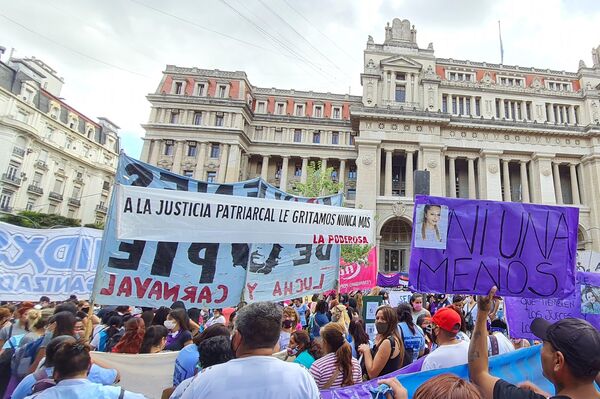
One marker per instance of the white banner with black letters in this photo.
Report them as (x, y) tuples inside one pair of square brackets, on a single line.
[(175, 216)]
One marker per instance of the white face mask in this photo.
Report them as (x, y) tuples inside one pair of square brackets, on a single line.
[(170, 324)]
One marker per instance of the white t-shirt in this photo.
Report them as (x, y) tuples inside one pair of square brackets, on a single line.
[(254, 377), (504, 344), (447, 356), (215, 320)]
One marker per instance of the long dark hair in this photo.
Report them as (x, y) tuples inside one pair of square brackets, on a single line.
[(390, 317), (181, 317), (404, 313), (215, 330), (321, 307), (358, 333), (153, 336), (302, 338), (65, 323), (334, 336)]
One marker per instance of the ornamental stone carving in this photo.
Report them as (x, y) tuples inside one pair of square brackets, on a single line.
[(367, 160), (432, 164), (546, 172), (493, 169), (399, 209)]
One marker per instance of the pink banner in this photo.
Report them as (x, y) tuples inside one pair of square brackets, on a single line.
[(354, 277)]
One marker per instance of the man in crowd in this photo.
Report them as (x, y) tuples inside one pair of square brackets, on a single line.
[(451, 351), (254, 373), (569, 357)]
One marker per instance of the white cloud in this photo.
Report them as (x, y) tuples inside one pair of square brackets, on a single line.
[(547, 34)]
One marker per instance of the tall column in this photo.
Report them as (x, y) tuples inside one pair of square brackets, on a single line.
[(557, 187), (304, 174), (524, 182), (233, 164), (584, 190), (146, 150), (506, 180), (384, 88), (574, 184), (199, 172), (392, 87), (264, 171), (245, 165), (409, 174), (178, 156), (367, 172), (154, 153), (323, 165), (502, 113), (284, 174), (388, 173), (452, 176), (572, 114), (223, 163), (471, 174), (342, 175)]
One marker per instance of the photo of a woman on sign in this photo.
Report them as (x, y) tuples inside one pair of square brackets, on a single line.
[(590, 299), (431, 226)]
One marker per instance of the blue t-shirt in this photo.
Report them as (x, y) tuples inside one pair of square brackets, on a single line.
[(320, 320), (413, 343), (302, 313), (186, 364), (97, 374)]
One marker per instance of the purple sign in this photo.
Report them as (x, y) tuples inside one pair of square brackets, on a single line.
[(467, 246), (584, 303)]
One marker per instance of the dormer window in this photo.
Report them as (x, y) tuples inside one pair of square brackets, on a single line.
[(460, 76), (559, 86), (178, 87), (318, 111), (73, 121), (510, 81)]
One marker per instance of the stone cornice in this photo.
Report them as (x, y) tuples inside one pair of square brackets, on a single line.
[(502, 67), (305, 94), (398, 114)]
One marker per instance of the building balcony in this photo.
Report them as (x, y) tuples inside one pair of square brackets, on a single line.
[(11, 179), (55, 196), (35, 189), (74, 202), (20, 152), (101, 209), (41, 164)]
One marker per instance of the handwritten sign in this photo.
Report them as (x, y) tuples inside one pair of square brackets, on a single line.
[(526, 250), (205, 274), (52, 262), (164, 215), (584, 303)]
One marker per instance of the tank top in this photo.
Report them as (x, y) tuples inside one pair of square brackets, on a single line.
[(392, 364)]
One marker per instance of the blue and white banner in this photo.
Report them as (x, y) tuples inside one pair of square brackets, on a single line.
[(52, 262), (201, 274)]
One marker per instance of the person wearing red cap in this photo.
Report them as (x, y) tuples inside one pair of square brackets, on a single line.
[(570, 359), (451, 351)]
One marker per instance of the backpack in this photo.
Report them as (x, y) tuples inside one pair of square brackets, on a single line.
[(42, 381), (24, 357), (469, 321), (113, 341)]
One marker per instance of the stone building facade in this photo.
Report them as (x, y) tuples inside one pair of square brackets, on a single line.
[(53, 159), (482, 130)]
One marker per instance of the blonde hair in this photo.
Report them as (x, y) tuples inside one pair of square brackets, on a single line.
[(33, 316), (344, 319), (291, 312), (426, 209)]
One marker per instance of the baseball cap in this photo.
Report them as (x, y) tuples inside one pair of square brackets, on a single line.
[(447, 319), (576, 339)]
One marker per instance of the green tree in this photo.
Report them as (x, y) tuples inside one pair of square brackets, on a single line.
[(320, 183), (40, 220), (99, 226)]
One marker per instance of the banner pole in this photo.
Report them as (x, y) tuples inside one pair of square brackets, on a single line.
[(88, 325)]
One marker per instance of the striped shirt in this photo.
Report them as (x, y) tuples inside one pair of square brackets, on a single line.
[(322, 370)]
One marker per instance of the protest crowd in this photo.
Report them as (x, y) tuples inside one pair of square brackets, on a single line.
[(292, 349)]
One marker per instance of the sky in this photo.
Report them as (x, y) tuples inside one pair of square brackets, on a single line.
[(111, 53)]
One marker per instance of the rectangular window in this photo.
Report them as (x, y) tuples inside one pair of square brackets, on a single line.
[(13, 170), (445, 103), (400, 94), (506, 109), (219, 120), (454, 109), (211, 177), (477, 106), (280, 108), (168, 148), (316, 137), (528, 110), (58, 184), (351, 139), (318, 112), (351, 194), (260, 107), (352, 173), (335, 138), (461, 105), (37, 179), (106, 185), (400, 76), (178, 87), (192, 150), (297, 136), (76, 192), (51, 209), (215, 151), (5, 199), (174, 117), (188, 173), (200, 89), (298, 170), (222, 90), (337, 113), (30, 204), (299, 110), (197, 118)]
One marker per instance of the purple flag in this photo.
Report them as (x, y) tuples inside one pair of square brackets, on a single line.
[(584, 303), (468, 246)]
